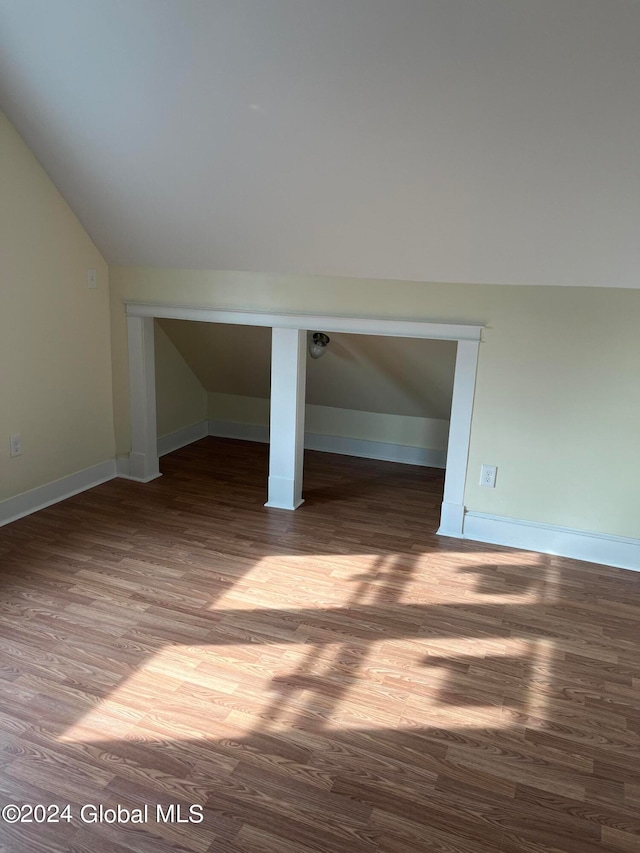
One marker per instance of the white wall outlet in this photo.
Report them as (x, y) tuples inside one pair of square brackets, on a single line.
[(92, 278), (488, 476), (15, 445)]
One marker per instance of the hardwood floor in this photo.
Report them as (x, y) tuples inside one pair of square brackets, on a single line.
[(334, 679)]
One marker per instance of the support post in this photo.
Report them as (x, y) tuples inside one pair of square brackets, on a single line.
[(143, 459), (286, 439), (452, 513)]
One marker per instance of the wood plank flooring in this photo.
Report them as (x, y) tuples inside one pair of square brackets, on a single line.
[(334, 679)]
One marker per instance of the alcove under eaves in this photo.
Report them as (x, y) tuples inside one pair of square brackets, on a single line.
[(288, 378), (370, 396)]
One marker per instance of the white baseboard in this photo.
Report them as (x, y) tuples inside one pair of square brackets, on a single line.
[(282, 493), (424, 456), (451, 520), (176, 440), (123, 471), (166, 444), (337, 444), (17, 507), (562, 541)]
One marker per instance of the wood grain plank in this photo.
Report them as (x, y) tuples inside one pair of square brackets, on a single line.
[(335, 680)]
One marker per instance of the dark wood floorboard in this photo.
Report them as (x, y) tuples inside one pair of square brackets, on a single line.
[(334, 679)]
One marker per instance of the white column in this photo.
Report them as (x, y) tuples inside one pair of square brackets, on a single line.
[(143, 459), (286, 439), (464, 383)]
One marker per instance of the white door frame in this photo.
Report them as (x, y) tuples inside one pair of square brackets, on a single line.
[(144, 450)]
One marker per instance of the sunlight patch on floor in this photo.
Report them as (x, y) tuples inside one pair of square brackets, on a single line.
[(290, 582), (189, 692), (404, 645)]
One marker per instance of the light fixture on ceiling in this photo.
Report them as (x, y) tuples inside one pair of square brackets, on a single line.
[(318, 346)]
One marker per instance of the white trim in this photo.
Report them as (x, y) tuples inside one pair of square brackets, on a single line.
[(123, 469), (325, 322), (464, 383), (182, 437), (360, 447), (282, 493), (545, 538), (451, 520), (52, 493), (138, 462), (422, 456)]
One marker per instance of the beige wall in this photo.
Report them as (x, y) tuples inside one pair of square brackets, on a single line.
[(226, 359), (181, 401), (557, 401), (55, 359)]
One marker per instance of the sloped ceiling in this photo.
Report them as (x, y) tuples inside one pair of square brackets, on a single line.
[(396, 376), (443, 140)]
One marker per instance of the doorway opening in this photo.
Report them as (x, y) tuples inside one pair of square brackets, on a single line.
[(294, 328)]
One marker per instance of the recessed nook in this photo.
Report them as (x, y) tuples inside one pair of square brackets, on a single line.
[(288, 357)]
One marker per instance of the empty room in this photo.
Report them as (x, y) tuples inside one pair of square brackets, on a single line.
[(319, 405)]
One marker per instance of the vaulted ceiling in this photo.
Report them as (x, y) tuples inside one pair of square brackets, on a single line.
[(443, 140)]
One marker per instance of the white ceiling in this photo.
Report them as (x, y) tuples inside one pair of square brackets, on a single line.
[(443, 140)]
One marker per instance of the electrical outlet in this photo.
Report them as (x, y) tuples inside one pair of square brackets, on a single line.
[(15, 445), (92, 278), (488, 476)]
